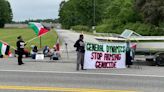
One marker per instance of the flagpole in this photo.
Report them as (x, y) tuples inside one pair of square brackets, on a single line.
[(40, 41), (31, 39)]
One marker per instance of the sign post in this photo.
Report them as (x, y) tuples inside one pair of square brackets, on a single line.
[(66, 49)]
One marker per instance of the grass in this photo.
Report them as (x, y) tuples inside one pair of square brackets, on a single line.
[(10, 36)]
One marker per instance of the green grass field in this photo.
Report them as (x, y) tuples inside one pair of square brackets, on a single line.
[(10, 36)]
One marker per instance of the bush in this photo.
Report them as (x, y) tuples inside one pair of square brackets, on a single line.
[(110, 26), (80, 28), (143, 29), (104, 28)]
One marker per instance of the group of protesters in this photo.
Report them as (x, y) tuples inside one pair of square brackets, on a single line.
[(52, 53), (80, 48)]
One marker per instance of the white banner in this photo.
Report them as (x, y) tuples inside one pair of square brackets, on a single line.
[(104, 56)]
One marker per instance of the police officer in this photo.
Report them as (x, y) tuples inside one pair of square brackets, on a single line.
[(20, 49), (80, 52)]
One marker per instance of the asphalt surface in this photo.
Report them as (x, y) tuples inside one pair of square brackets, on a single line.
[(92, 81), (60, 75)]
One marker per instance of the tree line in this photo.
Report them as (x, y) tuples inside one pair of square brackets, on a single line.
[(6, 14), (37, 20), (145, 17)]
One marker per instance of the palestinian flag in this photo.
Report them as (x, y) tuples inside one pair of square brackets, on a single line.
[(38, 28), (4, 49)]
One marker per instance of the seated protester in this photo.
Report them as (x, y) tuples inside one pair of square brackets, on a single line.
[(1, 56), (46, 51), (54, 54), (26, 53), (34, 52)]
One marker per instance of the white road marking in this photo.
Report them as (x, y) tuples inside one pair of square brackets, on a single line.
[(85, 73)]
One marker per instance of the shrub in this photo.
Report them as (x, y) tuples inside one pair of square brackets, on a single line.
[(110, 26), (104, 28), (80, 28), (143, 29)]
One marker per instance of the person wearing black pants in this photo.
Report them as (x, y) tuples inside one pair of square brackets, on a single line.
[(128, 56), (20, 49)]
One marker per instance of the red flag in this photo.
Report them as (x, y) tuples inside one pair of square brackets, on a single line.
[(133, 46)]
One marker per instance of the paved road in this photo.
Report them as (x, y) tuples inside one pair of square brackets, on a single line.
[(81, 81), (70, 38), (61, 76)]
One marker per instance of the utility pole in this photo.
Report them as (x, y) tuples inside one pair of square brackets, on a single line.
[(94, 16)]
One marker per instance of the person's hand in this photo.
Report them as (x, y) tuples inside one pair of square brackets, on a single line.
[(25, 43)]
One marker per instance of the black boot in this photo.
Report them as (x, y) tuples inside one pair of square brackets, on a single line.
[(82, 68)]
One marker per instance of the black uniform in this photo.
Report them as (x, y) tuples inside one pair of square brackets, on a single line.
[(20, 50)]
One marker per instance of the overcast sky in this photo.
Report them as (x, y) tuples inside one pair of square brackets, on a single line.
[(34, 9)]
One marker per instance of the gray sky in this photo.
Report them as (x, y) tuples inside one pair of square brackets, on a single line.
[(34, 9)]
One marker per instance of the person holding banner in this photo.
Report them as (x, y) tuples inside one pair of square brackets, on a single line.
[(80, 48), (128, 55), (20, 49)]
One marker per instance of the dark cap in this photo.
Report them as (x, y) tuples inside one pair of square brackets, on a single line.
[(19, 37), (81, 35)]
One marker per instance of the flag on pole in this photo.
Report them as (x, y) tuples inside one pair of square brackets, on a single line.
[(38, 28), (4, 49)]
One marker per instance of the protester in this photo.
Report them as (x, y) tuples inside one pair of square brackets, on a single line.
[(34, 52), (54, 54), (1, 56), (128, 56), (80, 52), (46, 51), (20, 49)]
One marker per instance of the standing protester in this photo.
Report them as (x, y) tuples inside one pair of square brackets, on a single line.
[(128, 55), (80, 48), (20, 49)]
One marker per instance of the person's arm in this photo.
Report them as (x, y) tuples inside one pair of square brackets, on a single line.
[(76, 44), (18, 44), (25, 43)]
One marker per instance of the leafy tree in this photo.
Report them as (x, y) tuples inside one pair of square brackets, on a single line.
[(80, 12), (39, 20), (151, 10), (117, 14), (122, 10), (113, 16), (5, 13)]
